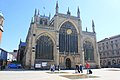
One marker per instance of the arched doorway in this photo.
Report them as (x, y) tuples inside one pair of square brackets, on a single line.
[(68, 63), (109, 64), (113, 61)]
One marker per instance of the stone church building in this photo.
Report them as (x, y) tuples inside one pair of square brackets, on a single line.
[(59, 41)]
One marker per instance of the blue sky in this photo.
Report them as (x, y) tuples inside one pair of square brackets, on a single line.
[(18, 13)]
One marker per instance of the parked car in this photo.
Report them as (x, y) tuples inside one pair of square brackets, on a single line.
[(19, 65), (12, 65)]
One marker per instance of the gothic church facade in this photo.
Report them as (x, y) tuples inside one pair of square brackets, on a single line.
[(59, 41)]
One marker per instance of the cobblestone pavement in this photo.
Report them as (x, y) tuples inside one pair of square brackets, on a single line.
[(102, 74)]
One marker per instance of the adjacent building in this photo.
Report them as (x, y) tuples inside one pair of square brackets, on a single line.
[(3, 57), (109, 50), (59, 41), (21, 50), (12, 56)]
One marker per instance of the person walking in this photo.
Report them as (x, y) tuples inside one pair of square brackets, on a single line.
[(58, 67), (81, 68), (52, 68), (77, 68), (87, 67)]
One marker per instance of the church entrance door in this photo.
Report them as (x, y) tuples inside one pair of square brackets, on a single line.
[(68, 63)]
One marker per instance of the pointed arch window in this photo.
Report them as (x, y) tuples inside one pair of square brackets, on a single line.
[(41, 21), (44, 48), (68, 38), (88, 51)]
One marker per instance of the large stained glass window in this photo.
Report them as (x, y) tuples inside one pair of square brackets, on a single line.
[(68, 38), (44, 48), (88, 51)]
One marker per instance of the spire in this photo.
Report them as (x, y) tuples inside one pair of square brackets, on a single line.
[(43, 11), (78, 13), (35, 12), (20, 40), (86, 29), (38, 12), (49, 15), (93, 26), (32, 20), (57, 7), (68, 12)]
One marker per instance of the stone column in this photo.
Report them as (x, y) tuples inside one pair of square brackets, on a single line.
[(57, 48), (97, 54), (33, 42), (98, 57), (33, 59)]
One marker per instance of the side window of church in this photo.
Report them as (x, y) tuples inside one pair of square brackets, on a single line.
[(45, 22), (41, 22)]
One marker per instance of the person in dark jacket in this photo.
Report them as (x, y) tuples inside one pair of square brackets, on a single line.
[(58, 67), (81, 68), (77, 68)]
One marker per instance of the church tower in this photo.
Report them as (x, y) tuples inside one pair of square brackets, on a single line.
[(1, 25)]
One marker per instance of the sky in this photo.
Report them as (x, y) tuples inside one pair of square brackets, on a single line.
[(18, 14)]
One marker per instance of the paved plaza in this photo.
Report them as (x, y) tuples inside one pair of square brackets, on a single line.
[(98, 74)]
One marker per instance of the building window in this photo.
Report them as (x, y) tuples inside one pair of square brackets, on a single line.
[(107, 47), (102, 44), (33, 50), (112, 46), (46, 22), (88, 51), (107, 43), (112, 42), (68, 38), (116, 45), (118, 61), (113, 61), (33, 47), (44, 48), (41, 22), (104, 63), (103, 47)]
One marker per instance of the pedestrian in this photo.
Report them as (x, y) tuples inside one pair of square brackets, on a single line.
[(77, 68), (51, 68), (81, 68), (58, 68), (87, 67)]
